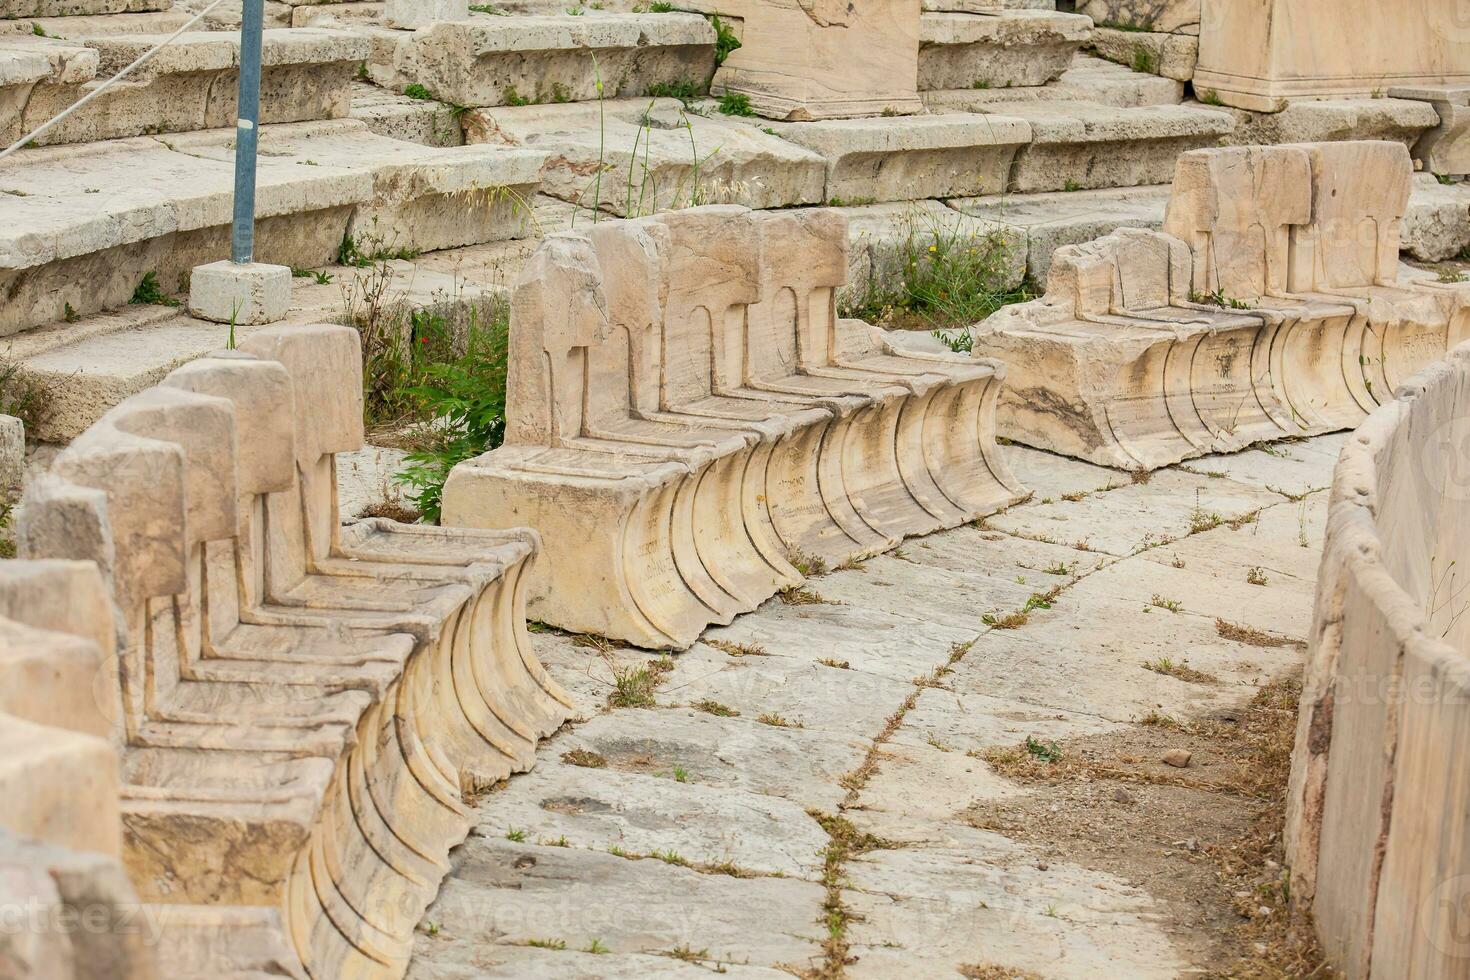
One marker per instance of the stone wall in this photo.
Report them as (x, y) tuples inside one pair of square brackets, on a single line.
[(1376, 829)]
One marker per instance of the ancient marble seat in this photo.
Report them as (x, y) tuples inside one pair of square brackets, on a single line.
[(689, 421), (1270, 305), (303, 707)]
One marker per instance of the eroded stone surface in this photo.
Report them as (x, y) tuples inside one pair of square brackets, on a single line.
[(667, 375)]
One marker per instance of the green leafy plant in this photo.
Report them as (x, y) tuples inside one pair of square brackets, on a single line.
[(725, 40), (736, 104), (149, 292), (465, 395)]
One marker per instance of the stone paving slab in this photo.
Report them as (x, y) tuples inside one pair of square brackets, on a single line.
[(505, 893)]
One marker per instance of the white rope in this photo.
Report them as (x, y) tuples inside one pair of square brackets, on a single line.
[(107, 84)]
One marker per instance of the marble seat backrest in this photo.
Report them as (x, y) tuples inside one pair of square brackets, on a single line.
[(59, 773), (713, 275), (324, 363), (1359, 194), (632, 257), (803, 261), (1236, 208), (263, 401)]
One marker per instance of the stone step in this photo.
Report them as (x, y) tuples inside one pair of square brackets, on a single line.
[(519, 60), (189, 85), (1078, 145), (1098, 80), (92, 364), (1331, 120), (997, 50), (83, 225), (99, 25), (653, 155), (404, 117), (29, 9), (1155, 53)]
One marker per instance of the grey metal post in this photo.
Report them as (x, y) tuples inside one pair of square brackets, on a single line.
[(247, 131)]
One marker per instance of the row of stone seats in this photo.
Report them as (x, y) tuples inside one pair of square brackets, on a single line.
[(1378, 806), (1270, 306), (301, 708), (688, 421)]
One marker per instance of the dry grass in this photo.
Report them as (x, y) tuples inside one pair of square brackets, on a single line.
[(798, 596), (1180, 671), (715, 708), (393, 510), (989, 971), (738, 649), (585, 758), (1251, 636)]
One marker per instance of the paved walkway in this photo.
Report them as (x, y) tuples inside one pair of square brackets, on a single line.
[(810, 792)]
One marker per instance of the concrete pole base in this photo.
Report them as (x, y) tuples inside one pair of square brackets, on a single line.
[(240, 294)]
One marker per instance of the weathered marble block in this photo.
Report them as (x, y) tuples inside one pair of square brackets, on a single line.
[(1376, 813), (302, 707), (1260, 54), (826, 60), (1269, 306), (688, 421)]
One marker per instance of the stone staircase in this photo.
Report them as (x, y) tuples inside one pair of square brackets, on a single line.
[(397, 143)]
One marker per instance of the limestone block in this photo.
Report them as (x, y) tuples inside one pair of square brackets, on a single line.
[(74, 8), (1099, 80), (638, 156), (12, 456), (250, 294), (1437, 224), (1000, 50), (165, 207), (1375, 810), (1256, 56), (1445, 149), (1081, 145), (796, 60), (1269, 306), (1169, 55), (276, 669), (1163, 16), (99, 25), (1333, 120), (411, 15), (192, 84), (493, 61), (666, 375), (1049, 221), (70, 915), (912, 158), (402, 117)]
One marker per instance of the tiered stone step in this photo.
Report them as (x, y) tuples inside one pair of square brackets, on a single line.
[(1002, 49), (632, 157), (519, 60), (189, 85), (1080, 145), (1098, 80), (74, 18), (85, 224)]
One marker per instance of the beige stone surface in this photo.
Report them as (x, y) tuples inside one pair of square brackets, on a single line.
[(150, 205), (1257, 55), (796, 60), (1445, 149), (1050, 220), (1375, 819), (285, 743), (1000, 50), (634, 157), (75, 8), (667, 375), (492, 61), (189, 85), (912, 157), (1269, 306), (1099, 80), (1078, 145), (548, 865), (1168, 55), (1332, 120), (1163, 16), (1437, 225)]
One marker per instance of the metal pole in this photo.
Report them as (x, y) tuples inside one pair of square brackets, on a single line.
[(247, 131)]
